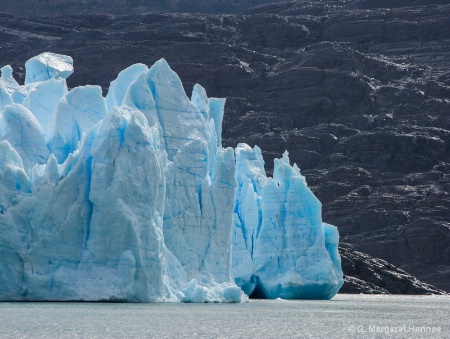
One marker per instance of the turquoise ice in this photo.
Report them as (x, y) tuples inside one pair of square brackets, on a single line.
[(133, 198), (281, 247)]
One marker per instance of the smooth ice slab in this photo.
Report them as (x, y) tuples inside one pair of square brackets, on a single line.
[(47, 66), (73, 117), (23, 131)]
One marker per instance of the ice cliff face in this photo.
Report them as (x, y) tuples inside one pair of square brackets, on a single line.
[(281, 247), (132, 197)]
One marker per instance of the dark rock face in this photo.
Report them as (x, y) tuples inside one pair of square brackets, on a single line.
[(36, 8), (364, 274), (358, 91)]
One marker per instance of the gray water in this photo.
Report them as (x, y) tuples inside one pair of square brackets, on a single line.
[(345, 316)]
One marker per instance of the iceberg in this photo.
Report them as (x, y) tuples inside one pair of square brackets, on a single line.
[(131, 197)]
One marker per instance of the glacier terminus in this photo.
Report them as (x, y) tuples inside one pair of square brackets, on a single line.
[(131, 197)]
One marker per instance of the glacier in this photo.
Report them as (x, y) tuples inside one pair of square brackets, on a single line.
[(281, 247), (131, 197)]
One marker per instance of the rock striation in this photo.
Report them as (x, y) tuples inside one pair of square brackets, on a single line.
[(364, 274)]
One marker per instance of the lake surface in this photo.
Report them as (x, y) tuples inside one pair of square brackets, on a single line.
[(346, 316)]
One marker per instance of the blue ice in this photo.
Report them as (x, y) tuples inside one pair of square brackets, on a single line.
[(133, 198)]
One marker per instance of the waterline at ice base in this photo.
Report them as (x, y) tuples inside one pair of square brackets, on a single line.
[(133, 198)]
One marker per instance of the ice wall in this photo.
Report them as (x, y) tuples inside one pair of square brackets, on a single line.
[(132, 197), (281, 248), (131, 202)]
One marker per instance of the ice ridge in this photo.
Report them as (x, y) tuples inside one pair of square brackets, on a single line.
[(133, 198)]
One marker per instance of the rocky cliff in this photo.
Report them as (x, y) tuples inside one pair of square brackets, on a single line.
[(368, 275), (358, 93), (38, 8)]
